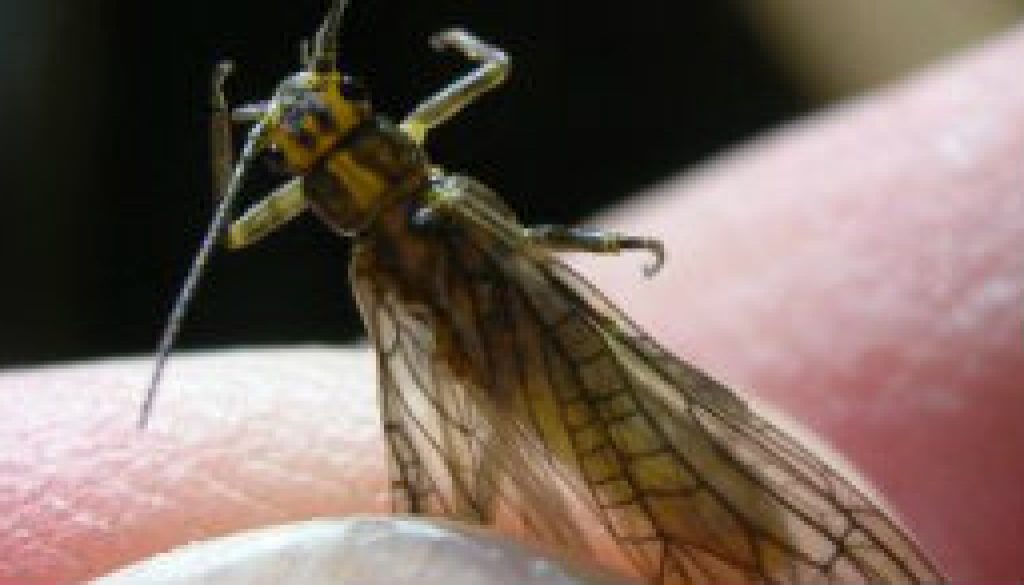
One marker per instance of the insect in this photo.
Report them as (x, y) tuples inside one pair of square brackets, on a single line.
[(508, 386)]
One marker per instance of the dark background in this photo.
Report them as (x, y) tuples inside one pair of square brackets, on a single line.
[(105, 159)]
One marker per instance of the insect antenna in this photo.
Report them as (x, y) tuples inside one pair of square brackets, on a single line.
[(325, 45), (214, 232)]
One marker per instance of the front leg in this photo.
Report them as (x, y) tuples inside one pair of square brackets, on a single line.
[(444, 104), (274, 210), (222, 116), (221, 156), (265, 216), (570, 239)]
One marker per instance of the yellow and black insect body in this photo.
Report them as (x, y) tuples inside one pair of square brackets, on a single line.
[(509, 387)]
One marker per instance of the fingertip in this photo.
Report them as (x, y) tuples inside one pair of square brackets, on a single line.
[(861, 270)]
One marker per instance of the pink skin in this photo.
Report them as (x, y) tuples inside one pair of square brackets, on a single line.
[(863, 271)]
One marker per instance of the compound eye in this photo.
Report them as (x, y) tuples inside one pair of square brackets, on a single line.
[(354, 90), (276, 162)]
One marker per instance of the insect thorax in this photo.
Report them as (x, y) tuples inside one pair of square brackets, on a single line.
[(354, 163)]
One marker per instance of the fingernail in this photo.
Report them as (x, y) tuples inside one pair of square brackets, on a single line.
[(364, 550)]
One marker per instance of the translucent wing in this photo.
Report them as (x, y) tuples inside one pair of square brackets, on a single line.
[(508, 381), (443, 381)]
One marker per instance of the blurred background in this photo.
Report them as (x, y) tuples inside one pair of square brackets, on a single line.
[(105, 162)]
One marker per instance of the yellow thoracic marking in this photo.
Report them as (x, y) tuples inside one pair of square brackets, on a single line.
[(346, 114), (364, 185)]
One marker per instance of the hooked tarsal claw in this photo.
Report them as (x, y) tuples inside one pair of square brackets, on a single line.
[(657, 249), (652, 245)]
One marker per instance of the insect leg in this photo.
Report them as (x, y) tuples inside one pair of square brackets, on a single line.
[(221, 154), (270, 213), (274, 210), (250, 113), (444, 104), (570, 239)]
